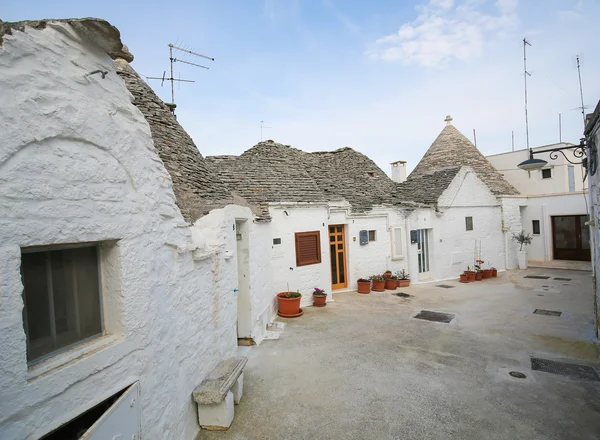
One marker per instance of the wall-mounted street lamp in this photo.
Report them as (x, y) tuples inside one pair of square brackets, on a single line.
[(579, 152)]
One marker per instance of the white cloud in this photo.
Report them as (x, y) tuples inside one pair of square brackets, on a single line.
[(445, 30)]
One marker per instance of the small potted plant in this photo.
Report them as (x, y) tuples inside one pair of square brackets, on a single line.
[(378, 282), (470, 274), (403, 278), (288, 304), (494, 272), (478, 271), (387, 274), (364, 285), (522, 238), (319, 297), (487, 273), (464, 277), (390, 283)]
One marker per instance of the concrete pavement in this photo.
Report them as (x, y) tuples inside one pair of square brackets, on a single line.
[(364, 368)]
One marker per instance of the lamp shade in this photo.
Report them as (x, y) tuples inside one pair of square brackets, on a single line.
[(532, 164)]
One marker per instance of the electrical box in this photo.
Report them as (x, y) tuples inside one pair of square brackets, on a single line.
[(414, 237), (364, 237)]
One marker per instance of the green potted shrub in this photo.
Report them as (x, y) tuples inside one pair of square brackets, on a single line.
[(523, 238), (288, 304), (319, 297), (402, 278), (364, 285), (378, 282)]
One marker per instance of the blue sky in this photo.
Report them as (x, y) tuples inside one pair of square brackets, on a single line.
[(378, 76)]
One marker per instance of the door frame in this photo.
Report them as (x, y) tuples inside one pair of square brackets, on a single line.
[(578, 253), (427, 233), (336, 242)]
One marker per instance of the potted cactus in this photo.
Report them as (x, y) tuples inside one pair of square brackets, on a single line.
[(364, 285), (319, 297), (288, 304)]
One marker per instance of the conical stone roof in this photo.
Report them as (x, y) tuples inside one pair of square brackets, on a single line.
[(453, 149)]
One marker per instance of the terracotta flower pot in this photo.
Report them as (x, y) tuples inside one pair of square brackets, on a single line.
[(390, 284), (464, 278), (470, 275), (364, 286), (288, 307), (478, 276), (319, 300), (378, 286), (487, 273), (494, 273), (386, 275), (403, 283)]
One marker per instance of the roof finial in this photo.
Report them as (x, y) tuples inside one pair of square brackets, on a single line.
[(448, 120)]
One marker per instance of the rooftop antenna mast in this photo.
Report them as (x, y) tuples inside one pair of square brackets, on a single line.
[(583, 107), (262, 125), (525, 44), (173, 60)]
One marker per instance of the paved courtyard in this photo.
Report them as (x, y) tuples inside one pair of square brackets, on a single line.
[(364, 368)]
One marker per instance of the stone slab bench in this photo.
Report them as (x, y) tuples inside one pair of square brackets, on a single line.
[(218, 393)]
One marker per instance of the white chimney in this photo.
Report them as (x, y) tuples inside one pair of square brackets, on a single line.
[(399, 171)]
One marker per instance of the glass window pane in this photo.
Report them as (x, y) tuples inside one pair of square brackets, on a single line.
[(564, 232), (341, 266), (535, 224), (36, 313), (334, 278), (332, 238), (340, 246), (339, 237), (331, 229), (339, 229)]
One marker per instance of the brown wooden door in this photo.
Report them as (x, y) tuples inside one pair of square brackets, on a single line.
[(571, 238), (337, 251)]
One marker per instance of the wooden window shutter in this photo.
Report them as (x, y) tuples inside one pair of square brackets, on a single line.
[(308, 248), (397, 243)]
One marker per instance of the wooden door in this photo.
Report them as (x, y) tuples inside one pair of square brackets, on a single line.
[(337, 251), (571, 238)]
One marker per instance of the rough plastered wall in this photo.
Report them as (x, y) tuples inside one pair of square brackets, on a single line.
[(77, 164), (215, 234), (542, 208), (593, 136), (452, 247), (512, 211), (376, 256)]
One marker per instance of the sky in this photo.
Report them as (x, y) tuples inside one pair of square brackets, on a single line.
[(379, 76)]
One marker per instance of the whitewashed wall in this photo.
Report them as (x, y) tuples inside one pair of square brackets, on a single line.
[(452, 247), (542, 208), (532, 183), (594, 198), (512, 209), (77, 164)]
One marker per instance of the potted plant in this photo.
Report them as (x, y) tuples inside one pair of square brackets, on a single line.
[(378, 282), (464, 277), (470, 274), (522, 238), (364, 285), (403, 278), (487, 273), (494, 272), (288, 304), (319, 297), (390, 283), (387, 274), (478, 271)]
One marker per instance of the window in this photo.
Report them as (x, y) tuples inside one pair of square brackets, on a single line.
[(469, 223), (536, 227), (277, 241), (547, 173), (372, 235), (308, 248), (571, 171), (397, 243), (62, 298)]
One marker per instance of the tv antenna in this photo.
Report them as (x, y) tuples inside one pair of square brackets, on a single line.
[(525, 44), (583, 106), (174, 60), (262, 125)]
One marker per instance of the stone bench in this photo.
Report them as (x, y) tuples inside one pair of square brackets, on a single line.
[(218, 393)]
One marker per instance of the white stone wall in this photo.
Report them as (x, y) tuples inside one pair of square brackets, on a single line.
[(77, 164), (542, 208), (512, 208), (594, 199)]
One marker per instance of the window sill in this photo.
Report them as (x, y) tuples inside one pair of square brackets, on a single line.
[(70, 356)]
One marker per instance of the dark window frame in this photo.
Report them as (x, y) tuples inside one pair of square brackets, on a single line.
[(298, 237), (372, 233), (469, 223), (535, 224), (549, 170)]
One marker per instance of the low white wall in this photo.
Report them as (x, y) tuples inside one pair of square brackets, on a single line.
[(542, 208), (77, 164)]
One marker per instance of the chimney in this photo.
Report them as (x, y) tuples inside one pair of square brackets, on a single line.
[(399, 171)]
